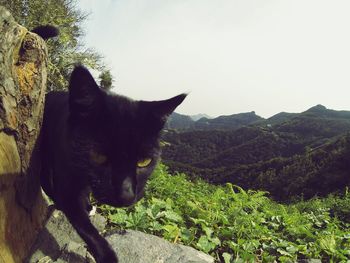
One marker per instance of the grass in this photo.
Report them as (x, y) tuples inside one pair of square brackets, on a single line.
[(234, 225)]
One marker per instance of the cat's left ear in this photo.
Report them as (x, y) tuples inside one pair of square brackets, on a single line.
[(163, 108), (84, 93)]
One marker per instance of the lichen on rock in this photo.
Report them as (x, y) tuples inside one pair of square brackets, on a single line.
[(23, 69)]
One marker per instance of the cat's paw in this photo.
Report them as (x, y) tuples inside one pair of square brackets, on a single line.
[(109, 257), (105, 254), (92, 210)]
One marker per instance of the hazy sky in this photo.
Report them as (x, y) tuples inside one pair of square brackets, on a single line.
[(231, 55)]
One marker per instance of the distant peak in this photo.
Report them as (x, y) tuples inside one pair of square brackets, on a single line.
[(318, 107), (196, 117)]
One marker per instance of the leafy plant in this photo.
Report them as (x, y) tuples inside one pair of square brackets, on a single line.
[(235, 225)]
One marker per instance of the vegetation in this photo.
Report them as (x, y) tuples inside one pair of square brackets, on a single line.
[(333, 118), (235, 225), (289, 155), (67, 49), (230, 122), (305, 155), (106, 80)]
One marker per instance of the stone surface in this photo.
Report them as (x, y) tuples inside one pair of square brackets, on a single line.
[(23, 65), (58, 242), (138, 247)]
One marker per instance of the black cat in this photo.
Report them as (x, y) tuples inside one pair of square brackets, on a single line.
[(99, 142)]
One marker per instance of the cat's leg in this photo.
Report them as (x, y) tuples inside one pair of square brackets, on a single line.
[(98, 246), (90, 209), (46, 181), (86, 201)]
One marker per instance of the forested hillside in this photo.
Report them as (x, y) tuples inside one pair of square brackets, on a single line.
[(230, 122), (289, 155)]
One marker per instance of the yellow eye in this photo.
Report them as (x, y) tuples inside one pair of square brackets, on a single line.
[(144, 162), (98, 158)]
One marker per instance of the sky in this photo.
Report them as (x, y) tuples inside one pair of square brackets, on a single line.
[(231, 56)]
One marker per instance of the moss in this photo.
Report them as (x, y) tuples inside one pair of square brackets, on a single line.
[(22, 88), (26, 75)]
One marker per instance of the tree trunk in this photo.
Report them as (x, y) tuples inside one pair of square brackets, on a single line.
[(23, 69)]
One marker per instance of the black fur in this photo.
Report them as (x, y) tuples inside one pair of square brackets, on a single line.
[(92, 140), (46, 32)]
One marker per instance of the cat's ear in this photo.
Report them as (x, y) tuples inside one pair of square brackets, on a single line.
[(84, 93), (158, 111), (164, 108)]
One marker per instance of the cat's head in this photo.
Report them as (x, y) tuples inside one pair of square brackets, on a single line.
[(115, 140)]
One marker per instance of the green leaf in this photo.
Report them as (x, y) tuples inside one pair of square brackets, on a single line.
[(208, 231), (328, 244), (119, 217), (172, 231), (155, 226), (283, 252), (172, 216), (186, 235), (204, 244), (227, 257)]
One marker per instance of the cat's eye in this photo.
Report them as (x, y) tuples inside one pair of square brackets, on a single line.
[(98, 158), (144, 162)]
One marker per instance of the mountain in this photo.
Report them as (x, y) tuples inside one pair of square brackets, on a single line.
[(230, 122), (281, 117), (182, 122), (178, 121), (199, 116), (323, 112), (296, 148), (317, 122)]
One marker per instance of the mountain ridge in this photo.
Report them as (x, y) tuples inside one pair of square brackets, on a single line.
[(296, 148), (182, 122)]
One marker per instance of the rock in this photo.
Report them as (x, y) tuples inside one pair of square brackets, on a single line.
[(23, 70), (311, 260), (138, 247), (58, 242)]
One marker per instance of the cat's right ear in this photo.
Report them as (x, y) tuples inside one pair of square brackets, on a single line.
[(84, 93)]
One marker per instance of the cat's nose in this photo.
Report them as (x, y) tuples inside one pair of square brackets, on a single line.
[(127, 190)]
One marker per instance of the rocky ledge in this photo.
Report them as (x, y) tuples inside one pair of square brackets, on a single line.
[(58, 242)]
